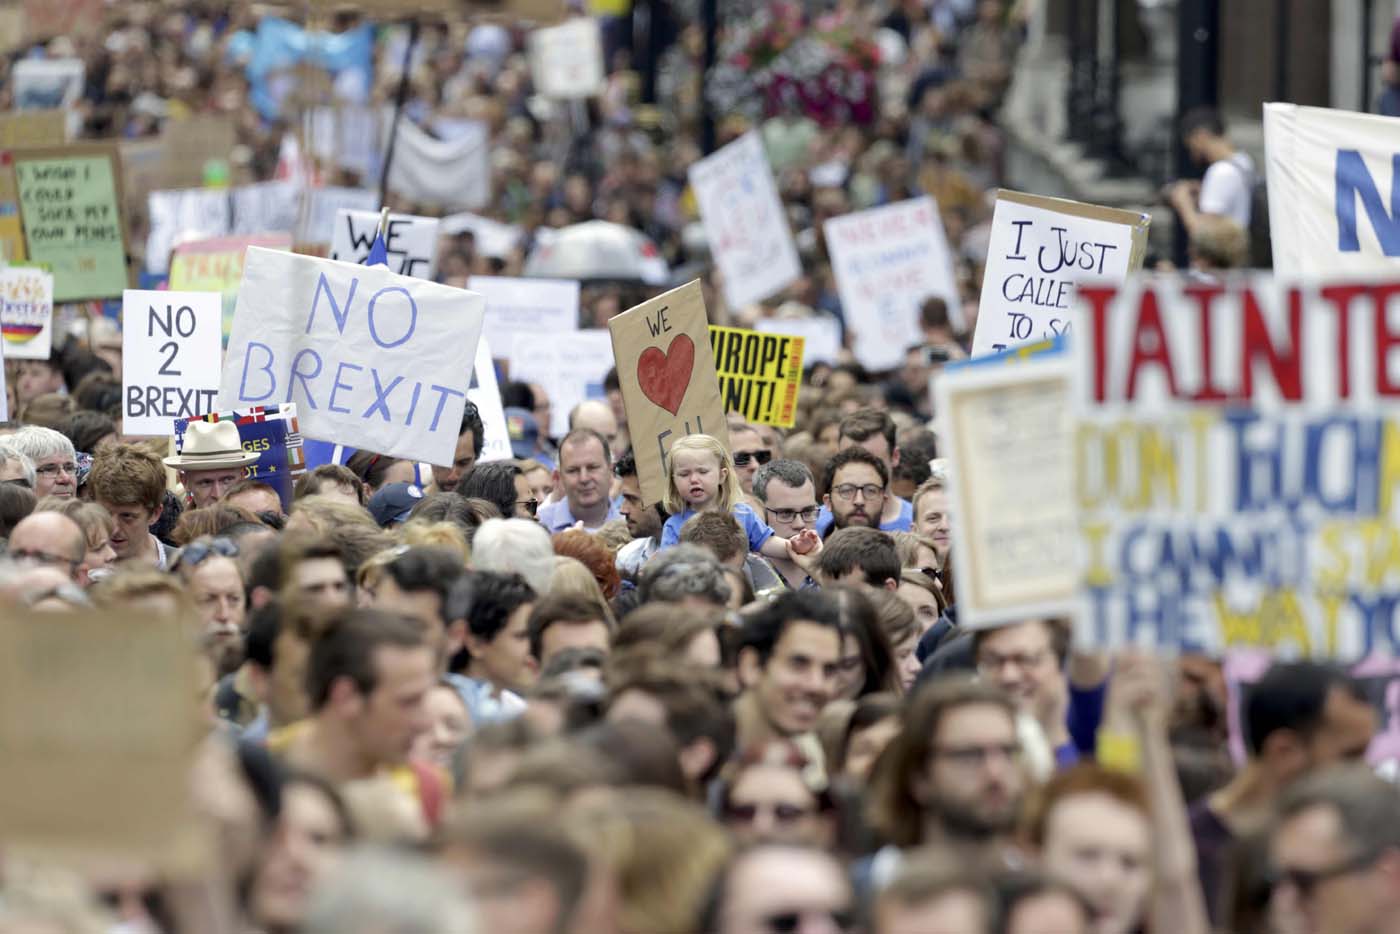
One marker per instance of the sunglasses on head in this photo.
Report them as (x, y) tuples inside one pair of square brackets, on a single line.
[(742, 458), (198, 551)]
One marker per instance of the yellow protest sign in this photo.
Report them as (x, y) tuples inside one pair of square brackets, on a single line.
[(667, 377), (759, 374)]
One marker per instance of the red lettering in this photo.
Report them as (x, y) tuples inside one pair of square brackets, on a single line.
[(1205, 296), (1341, 296), (1099, 298), (1386, 339), (1287, 367), (1150, 345)]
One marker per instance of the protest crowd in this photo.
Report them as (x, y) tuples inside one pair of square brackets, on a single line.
[(542, 617)]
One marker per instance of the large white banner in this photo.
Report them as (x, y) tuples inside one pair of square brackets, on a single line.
[(1039, 249), (410, 241), (744, 222), (1332, 183), (455, 174), (571, 371), (485, 394), (371, 359), (566, 61), (887, 260)]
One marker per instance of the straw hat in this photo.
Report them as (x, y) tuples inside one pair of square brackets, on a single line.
[(211, 446)]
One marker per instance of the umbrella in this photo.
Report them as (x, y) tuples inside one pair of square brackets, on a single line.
[(597, 250)]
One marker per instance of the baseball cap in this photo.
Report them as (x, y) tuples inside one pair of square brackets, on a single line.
[(394, 502), (524, 432)]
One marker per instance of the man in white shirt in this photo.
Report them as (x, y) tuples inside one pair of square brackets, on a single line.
[(1227, 190)]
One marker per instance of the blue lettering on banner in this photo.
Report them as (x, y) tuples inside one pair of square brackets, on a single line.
[(1354, 181)]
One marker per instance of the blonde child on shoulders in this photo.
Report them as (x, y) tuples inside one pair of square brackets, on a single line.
[(702, 479)]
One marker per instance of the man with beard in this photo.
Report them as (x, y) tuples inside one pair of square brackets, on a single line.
[(953, 775), (643, 522), (855, 483)]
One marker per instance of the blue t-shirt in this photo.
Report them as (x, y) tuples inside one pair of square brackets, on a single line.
[(754, 527), (904, 522)]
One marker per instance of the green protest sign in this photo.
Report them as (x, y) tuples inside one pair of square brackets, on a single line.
[(69, 202)]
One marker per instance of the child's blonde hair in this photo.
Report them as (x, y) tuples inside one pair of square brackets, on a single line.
[(729, 491)]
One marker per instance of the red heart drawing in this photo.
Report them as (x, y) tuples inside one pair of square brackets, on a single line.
[(664, 377)]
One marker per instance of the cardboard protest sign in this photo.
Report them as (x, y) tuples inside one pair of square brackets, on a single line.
[(821, 335), (1008, 429), (532, 308), (70, 201), (485, 393), (172, 349), (744, 222), (372, 359), (667, 374), (274, 432), (216, 265), (1332, 181), (99, 727), (1040, 248), (566, 61), (1237, 463), (887, 261), (26, 312), (33, 128), (759, 374), (47, 83), (411, 241), (571, 370)]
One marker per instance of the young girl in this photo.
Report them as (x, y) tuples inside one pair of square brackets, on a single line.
[(703, 478)]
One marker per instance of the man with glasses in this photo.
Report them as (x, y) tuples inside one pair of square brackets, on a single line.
[(750, 453), (55, 461), (777, 889), (1336, 853), (855, 482), (872, 431), (1299, 718), (788, 495), (50, 539)]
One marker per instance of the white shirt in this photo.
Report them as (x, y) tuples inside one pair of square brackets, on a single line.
[(1228, 189)]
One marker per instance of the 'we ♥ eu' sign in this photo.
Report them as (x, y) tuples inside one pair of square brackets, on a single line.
[(667, 372)]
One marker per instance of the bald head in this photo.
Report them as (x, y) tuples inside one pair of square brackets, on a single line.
[(49, 539), (596, 416)]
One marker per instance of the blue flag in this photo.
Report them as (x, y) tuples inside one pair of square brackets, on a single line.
[(378, 252)]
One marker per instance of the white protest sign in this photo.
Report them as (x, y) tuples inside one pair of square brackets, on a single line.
[(1009, 427), (324, 206), (1332, 182), (172, 345), (485, 394), (543, 309), (411, 241), (1040, 248), (181, 215), (744, 222), (566, 61), (887, 261), (821, 335), (571, 371), (47, 83), (371, 359), (266, 207), (26, 312)]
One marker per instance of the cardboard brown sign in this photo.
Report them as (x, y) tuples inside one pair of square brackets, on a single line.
[(99, 726), (667, 373)]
